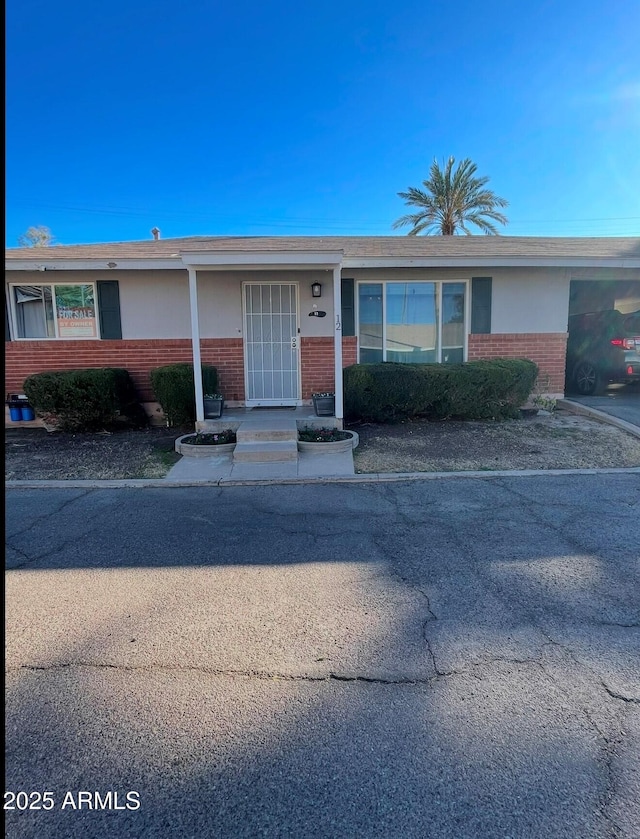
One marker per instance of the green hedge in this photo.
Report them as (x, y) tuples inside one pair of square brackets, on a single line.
[(174, 388), (391, 392), (76, 400)]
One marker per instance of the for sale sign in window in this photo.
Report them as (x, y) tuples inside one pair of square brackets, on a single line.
[(76, 311)]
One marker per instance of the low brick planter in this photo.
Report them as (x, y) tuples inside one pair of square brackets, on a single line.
[(331, 448), (189, 450)]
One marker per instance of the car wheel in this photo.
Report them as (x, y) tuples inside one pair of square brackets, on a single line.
[(586, 378)]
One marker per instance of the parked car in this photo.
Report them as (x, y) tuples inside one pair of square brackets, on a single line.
[(602, 347)]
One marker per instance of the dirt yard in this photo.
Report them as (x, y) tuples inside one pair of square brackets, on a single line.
[(557, 441), (547, 441), (36, 454)]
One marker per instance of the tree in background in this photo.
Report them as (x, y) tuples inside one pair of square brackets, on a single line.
[(36, 237), (451, 200)]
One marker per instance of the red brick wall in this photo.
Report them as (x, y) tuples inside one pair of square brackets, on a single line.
[(316, 357), (547, 349), (349, 350), (227, 354), (22, 358)]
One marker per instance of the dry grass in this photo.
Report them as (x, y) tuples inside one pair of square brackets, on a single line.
[(547, 441), (36, 454), (557, 441)]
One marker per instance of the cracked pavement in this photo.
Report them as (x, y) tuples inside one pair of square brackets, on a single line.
[(458, 658)]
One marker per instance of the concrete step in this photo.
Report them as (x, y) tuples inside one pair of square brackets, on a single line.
[(265, 451), (248, 433)]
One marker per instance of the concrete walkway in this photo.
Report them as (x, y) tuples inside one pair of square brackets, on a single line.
[(224, 468)]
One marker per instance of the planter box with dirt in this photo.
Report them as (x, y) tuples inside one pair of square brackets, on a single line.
[(344, 441), (206, 445)]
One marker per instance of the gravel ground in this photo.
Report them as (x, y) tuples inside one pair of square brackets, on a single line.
[(547, 441), (557, 441), (34, 454)]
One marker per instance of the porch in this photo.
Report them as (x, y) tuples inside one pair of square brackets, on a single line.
[(267, 418), (283, 310), (267, 448)]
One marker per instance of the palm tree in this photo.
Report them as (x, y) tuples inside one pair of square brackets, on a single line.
[(450, 200)]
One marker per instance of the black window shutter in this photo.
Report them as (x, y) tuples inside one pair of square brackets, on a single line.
[(481, 305), (348, 308), (109, 309), (7, 329)]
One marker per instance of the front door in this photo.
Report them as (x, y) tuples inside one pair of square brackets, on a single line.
[(271, 344)]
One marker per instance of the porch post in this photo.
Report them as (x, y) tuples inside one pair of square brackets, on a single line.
[(195, 341), (337, 341)]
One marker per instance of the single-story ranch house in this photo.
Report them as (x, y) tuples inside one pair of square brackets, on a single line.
[(281, 316)]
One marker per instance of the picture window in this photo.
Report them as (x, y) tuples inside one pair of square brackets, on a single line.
[(62, 311)]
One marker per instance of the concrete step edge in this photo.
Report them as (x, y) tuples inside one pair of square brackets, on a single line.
[(266, 435), (264, 451)]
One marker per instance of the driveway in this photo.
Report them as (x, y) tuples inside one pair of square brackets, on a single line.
[(452, 658), (622, 401)]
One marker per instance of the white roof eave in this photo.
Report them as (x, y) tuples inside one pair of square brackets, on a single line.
[(261, 259), (93, 264), (309, 260), (490, 262)]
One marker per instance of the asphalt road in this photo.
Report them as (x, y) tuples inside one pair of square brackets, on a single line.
[(453, 658)]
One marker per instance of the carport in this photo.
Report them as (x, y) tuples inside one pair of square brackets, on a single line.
[(603, 349), (595, 295)]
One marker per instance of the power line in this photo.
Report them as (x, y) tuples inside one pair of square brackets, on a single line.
[(297, 222), (134, 210)]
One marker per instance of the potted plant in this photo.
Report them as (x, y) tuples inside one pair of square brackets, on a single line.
[(213, 405), (324, 404)]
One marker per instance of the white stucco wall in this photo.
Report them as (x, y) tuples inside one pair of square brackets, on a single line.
[(523, 300), (529, 300), (537, 299), (155, 304), (220, 300), (313, 327)]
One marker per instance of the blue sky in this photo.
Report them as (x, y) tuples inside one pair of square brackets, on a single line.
[(292, 118)]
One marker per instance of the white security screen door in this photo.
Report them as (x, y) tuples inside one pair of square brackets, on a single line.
[(271, 344)]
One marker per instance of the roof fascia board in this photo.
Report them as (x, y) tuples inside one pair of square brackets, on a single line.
[(92, 264), (270, 259), (297, 259), (491, 262)]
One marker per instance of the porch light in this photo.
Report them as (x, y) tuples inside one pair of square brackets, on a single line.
[(316, 290)]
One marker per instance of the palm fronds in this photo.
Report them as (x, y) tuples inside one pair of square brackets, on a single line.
[(452, 199)]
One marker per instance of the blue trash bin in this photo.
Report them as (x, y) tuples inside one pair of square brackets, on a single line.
[(16, 413), (27, 413)]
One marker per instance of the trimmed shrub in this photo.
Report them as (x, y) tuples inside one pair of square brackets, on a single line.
[(385, 392), (76, 400), (392, 392), (174, 388)]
